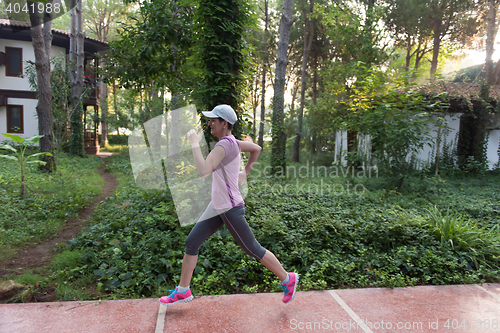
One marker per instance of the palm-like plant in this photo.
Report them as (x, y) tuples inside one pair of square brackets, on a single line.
[(20, 157), (454, 230)]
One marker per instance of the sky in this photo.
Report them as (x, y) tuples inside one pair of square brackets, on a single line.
[(473, 57)]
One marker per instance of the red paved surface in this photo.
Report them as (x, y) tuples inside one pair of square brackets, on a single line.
[(254, 313), (421, 309), (87, 316), (466, 308)]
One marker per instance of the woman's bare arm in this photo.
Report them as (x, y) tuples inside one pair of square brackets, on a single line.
[(204, 166), (254, 150)]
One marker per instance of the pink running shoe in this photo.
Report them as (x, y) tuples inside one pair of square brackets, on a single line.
[(290, 287), (176, 297)]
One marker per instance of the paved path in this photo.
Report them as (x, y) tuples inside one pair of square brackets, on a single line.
[(460, 308)]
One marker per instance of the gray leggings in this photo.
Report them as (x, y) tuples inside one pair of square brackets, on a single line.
[(235, 222)]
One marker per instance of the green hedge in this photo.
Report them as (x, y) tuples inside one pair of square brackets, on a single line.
[(114, 139)]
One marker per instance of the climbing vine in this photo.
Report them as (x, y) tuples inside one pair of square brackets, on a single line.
[(223, 54)]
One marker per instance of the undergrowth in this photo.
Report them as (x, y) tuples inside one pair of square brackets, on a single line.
[(379, 237)]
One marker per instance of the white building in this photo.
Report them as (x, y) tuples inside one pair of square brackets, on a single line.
[(448, 138), (17, 102)]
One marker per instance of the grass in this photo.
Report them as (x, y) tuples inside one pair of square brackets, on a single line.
[(49, 201), (114, 149)]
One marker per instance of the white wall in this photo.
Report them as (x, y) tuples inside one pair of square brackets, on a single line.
[(30, 116), (15, 83), (493, 147), (449, 136)]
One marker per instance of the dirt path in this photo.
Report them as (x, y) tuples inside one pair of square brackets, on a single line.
[(39, 255)]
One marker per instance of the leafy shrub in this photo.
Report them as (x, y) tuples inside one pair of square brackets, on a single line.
[(20, 157), (454, 230), (114, 139)]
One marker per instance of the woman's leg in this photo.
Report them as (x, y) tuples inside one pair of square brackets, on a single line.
[(270, 261), (237, 225), (188, 266), (198, 235)]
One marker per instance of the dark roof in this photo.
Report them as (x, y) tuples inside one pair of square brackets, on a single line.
[(18, 30), (459, 89)]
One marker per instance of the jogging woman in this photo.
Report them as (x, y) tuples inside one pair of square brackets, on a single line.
[(227, 206)]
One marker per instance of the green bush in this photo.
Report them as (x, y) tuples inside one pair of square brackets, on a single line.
[(454, 230), (114, 139)]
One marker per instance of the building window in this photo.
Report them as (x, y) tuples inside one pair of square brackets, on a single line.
[(13, 61), (15, 119)]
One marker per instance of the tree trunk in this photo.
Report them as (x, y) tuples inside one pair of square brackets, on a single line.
[(481, 115), (490, 39), (102, 34), (264, 70), (420, 52), (315, 98), (76, 58), (254, 107), (115, 107), (262, 107), (104, 113), (278, 162), (409, 45), (42, 41), (175, 141), (435, 47), (307, 47), (292, 105)]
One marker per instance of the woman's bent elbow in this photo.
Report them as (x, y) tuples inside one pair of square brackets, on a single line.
[(204, 174)]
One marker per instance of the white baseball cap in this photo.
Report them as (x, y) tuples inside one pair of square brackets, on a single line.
[(223, 111)]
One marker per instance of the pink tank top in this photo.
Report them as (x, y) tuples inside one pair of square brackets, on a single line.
[(225, 191)]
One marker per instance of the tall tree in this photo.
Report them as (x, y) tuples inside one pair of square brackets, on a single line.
[(451, 20), (482, 115), (255, 96), (405, 21), (221, 26), (76, 59), (265, 57), (154, 51), (308, 38), (354, 47), (102, 16), (152, 48), (492, 29), (321, 55), (42, 42), (278, 161)]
